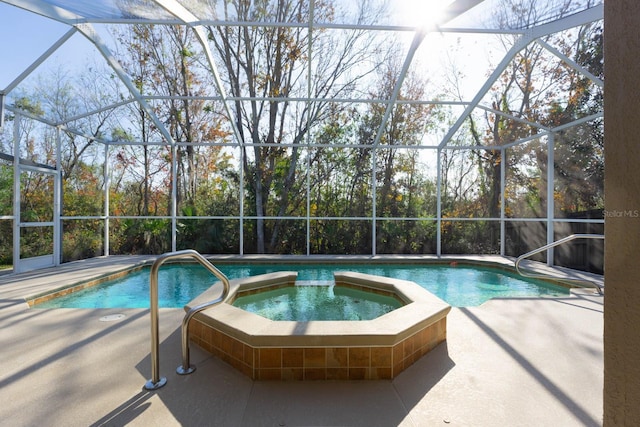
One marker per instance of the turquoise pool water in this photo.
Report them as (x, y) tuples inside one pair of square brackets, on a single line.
[(305, 303), (460, 286)]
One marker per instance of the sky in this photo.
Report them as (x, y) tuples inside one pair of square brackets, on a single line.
[(25, 36)]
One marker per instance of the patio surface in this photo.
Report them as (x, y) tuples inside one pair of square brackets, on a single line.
[(515, 362)]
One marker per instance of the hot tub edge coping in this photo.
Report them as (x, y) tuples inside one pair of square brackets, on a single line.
[(422, 310), (257, 331)]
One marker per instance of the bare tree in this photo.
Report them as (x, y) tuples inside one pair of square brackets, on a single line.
[(167, 61), (270, 64)]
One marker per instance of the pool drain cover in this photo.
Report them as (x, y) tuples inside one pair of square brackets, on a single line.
[(112, 317)]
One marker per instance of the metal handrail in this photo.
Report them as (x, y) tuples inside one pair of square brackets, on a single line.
[(552, 245), (156, 381)]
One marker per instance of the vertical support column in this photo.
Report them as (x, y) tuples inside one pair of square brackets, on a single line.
[(503, 185), (107, 185), (174, 195), (57, 202), (308, 135), (439, 203), (550, 194), (308, 190), (622, 205), (16, 193), (1, 109), (374, 152), (241, 166), (308, 195)]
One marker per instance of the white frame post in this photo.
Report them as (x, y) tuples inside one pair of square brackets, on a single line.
[(16, 193), (439, 202), (174, 195), (503, 186), (550, 194), (106, 206), (57, 202)]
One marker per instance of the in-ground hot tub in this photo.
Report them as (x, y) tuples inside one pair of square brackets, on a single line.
[(265, 349), (314, 300)]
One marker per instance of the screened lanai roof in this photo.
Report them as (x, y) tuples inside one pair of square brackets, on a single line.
[(452, 43), (266, 120)]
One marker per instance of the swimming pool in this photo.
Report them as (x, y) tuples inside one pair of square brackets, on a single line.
[(460, 285)]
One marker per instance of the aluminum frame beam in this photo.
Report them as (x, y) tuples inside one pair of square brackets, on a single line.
[(495, 75), (88, 31), (581, 18), (27, 71), (571, 63), (452, 11)]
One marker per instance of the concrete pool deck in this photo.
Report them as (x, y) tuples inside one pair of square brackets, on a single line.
[(507, 362)]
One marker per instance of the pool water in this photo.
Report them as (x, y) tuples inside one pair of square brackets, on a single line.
[(305, 303), (459, 286)]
